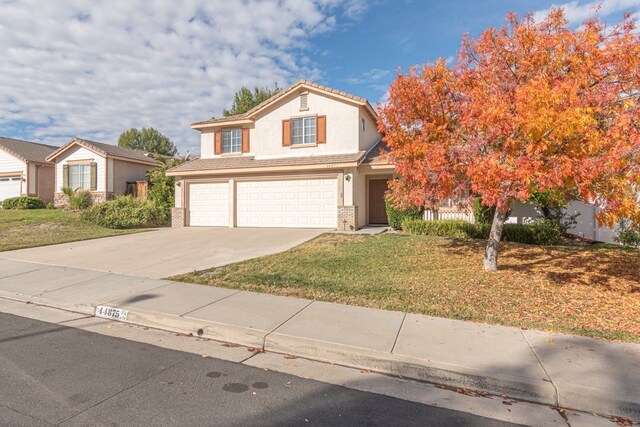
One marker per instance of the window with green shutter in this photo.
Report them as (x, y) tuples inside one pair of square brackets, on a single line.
[(82, 176)]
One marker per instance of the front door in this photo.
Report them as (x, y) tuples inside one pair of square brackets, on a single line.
[(377, 211)]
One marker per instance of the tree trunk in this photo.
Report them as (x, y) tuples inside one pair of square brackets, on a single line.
[(491, 253)]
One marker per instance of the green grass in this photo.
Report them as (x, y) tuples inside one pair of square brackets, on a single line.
[(40, 227), (586, 291)]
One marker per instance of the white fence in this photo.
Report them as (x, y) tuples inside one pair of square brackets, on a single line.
[(430, 215)]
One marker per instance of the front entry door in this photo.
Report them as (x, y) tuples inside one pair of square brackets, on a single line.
[(377, 211)]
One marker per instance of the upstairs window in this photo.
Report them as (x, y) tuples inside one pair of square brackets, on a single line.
[(232, 141), (303, 131)]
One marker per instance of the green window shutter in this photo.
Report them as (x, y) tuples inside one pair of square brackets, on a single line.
[(65, 176), (94, 176)]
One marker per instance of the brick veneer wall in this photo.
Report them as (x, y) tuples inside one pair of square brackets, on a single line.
[(177, 217), (347, 218), (61, 200)]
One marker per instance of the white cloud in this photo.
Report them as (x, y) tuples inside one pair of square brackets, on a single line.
[(368, 77), (577, 12), (94, 69)]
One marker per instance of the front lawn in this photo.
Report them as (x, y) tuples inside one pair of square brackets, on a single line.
[(591, 291), (39, 227)]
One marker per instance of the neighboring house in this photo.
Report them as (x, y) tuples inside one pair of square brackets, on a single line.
[(24, 169), (586, 222), (102, 169), (306, 157)]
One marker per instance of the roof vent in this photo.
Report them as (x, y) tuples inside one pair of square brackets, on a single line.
[(304, 99)]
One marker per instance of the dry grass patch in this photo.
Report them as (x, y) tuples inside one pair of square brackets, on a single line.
[(591, 291)]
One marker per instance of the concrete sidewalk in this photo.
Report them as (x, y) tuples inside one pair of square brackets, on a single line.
[(568, 371)]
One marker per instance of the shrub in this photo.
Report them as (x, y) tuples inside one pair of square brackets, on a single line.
[(50, 206), (441, 228), (518, 233), (78, 199), (481, 213), (537, 234), (161, 186), (628, 235), (125, 212), (396, 216), (553, 204), (81, 200), (547, 232), (23, 203)]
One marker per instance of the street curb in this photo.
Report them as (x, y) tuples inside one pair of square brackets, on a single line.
[(548, 393), (411, 368)]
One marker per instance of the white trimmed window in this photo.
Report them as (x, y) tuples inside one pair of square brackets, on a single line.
[(80, 176), (232, 141), (303, 131)]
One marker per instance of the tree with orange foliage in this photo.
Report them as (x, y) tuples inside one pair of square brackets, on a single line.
[(533, 106)]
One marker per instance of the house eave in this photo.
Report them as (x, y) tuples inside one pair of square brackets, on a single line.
[(221, 124), (377, 166), (125, 159), (217, 172)]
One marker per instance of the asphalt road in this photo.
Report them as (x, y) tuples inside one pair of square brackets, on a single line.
[(51, 374)]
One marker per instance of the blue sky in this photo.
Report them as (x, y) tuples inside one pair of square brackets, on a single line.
[(94, 69), (365, 54)]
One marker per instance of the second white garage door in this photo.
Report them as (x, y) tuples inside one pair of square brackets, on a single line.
[(209, 204), (304, 203)]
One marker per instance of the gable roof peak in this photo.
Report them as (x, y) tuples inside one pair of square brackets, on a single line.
[(249, 115), (107, 150)]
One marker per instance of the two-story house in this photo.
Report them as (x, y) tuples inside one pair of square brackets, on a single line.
[(307, 157)]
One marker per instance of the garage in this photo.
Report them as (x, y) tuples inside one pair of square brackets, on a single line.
[(299, 203), (209, 204), (10, 186)]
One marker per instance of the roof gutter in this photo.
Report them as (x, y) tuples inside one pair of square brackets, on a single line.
[(263, 169), (222, 123)]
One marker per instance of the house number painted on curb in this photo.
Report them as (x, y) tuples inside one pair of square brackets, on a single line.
[(111, 313)]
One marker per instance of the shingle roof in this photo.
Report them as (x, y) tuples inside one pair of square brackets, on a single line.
[(244, 162), (109, 150), (27, 151), (281, 94), (376, 155)]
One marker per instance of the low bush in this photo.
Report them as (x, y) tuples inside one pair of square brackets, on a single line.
[(78, 199), (628, 234), (23, 203), (547, 232), (125, 212), (518, 233), (81, 200), (536, 234), (440, 228), (397, 216)]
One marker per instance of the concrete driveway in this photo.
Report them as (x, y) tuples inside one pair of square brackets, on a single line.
[(167, 252)]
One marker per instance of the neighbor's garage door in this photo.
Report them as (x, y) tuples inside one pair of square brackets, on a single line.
[(304, 203), (209, 204), (9, 187)]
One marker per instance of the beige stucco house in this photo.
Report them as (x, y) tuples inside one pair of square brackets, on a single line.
[(24, 169), (306, 157), (103, 169)]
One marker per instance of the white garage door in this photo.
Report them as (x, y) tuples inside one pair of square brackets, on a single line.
[(209, 204), (304, 203), (9, 187)]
